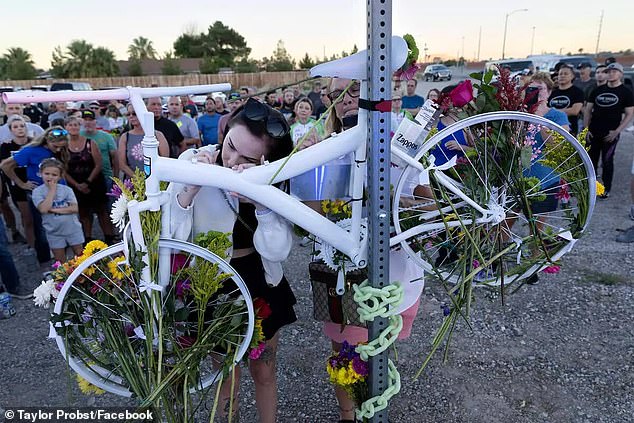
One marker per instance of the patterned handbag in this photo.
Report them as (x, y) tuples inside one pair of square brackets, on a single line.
[(328, 306)]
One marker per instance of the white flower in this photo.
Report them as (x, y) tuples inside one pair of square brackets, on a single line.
[(119, 211), (43, 293)]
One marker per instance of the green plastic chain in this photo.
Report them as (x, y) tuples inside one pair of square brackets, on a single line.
[(374, 302)]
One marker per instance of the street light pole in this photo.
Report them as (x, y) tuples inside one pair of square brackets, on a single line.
[(506, 21)]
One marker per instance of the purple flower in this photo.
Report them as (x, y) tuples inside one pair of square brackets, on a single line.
[(445, 309), (182, 287), (360, 366)]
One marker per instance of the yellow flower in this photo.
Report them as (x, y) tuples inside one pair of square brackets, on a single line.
[(93, 246), (600, 188), (117, 270), (87, 387), (325, 206)]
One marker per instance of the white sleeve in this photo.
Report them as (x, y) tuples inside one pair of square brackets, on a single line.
[(180, 217), (272, 239)]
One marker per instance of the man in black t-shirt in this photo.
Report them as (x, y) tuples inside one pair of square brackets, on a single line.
[(609, 111), (175, 139), (567, 97)]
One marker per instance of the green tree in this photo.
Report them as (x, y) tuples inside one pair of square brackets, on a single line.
[(246, 65), (306, 62), (170, 65), (82, 60), (17, 63), (221, 46), (135, 68), (354, 50), (141, 48), (281, 60)]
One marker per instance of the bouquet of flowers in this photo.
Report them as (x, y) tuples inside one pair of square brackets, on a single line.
[(534, 176), (348, 371), (159, 342)]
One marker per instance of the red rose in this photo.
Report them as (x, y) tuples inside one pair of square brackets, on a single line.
[(262, 308), (462, 94)]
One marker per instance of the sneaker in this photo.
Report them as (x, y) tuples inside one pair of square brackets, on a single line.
[(605, 195), (627, 236), (20, 293)]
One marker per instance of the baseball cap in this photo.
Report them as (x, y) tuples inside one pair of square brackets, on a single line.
[(88, 114), (610, 60), (617, 66), (584, 65), (234, 96), (94, 103)]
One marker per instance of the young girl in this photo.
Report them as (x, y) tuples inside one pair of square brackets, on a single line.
[(261, 239), (59, 209), (304, 122)]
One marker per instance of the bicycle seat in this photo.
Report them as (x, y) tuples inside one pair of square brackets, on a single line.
[(355, 66)]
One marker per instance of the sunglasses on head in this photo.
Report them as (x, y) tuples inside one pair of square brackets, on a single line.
[(276, 124), (59, 132)]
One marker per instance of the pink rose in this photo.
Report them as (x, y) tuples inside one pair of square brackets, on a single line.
[(462, 94)]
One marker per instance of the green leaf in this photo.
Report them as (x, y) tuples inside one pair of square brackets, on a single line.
[(487, 77)]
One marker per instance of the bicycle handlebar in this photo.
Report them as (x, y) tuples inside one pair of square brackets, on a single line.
[(114, 94)]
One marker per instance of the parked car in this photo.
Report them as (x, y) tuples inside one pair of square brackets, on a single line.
[(437, 73), (71, 86), (40, 87)]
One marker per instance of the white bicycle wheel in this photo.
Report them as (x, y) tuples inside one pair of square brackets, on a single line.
[(534, 180), (95, 310)]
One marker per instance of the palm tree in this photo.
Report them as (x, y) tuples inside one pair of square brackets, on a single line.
[(78, 59), (141, 48), (17, 63), (103, 63)]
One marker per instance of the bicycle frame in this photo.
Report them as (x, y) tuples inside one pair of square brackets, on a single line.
[(256, 183)]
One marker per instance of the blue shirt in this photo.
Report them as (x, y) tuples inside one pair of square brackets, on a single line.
[(31, 157), (546, 175), (208, 127), (412, 102), (441, 153)]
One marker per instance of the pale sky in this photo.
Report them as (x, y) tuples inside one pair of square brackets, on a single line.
[(448, 29)]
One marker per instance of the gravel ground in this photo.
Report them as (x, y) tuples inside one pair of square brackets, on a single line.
[(559, 351)]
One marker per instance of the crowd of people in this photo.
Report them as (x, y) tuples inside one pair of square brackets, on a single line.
[(57, 170)]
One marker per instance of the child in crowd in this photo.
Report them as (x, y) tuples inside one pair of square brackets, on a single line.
[(59, 209)]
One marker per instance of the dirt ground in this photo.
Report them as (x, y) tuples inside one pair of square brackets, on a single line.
[(559, 351)]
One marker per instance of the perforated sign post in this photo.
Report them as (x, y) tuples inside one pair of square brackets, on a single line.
[(379, 15)]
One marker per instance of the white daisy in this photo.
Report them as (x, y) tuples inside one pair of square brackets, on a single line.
[(119, 211), (43, 293)]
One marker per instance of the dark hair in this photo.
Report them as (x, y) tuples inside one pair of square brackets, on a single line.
[(448, 89), (278, 147)]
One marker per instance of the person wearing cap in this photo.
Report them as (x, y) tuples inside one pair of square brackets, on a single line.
[(585, 80), (101, 121), (106, 144), (566, 97), (610, 109), (235, 101)]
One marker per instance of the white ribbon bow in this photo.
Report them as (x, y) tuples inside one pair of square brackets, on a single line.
[(423, 177), (147, 286)]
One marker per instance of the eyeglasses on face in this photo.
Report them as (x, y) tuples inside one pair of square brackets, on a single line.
[(276, 124), (353, 91)]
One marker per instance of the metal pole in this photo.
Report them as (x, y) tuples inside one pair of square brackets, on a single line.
[(532, 40), (379, 89), (596, 50), (506, 21)]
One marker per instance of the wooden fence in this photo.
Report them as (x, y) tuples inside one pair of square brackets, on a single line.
[(260, 80)]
